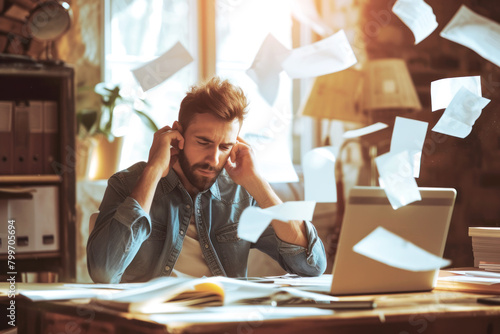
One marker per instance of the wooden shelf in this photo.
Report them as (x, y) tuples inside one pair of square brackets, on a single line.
[(39, 179), (32, 255)]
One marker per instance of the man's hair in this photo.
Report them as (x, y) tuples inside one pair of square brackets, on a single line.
[(217, 97)]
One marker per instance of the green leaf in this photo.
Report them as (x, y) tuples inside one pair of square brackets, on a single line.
[(147, 120)]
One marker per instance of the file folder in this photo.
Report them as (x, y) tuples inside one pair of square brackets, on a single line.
[(6, 137), (21, 138), (50, 135), (36, 152)]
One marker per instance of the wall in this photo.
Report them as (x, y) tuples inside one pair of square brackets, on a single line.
[(470, 165)]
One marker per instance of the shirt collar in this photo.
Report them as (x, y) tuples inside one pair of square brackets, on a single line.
[(172, 180)]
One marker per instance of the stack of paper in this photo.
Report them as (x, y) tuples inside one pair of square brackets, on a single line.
[(486, 247)]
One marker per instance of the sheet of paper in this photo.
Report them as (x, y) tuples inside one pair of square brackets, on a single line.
[(254, 220), (386, 247), (476, 32), (319, 175), (461, 114), (364, 131), (418, 16), (478, 273), (470, 279), (396, 178), (274, 161), (155, 72), (329, 55), (409, 135), (306, 13), (443, 90), (266, 68)]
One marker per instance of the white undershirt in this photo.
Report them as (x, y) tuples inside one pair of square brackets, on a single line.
[(190, 261)]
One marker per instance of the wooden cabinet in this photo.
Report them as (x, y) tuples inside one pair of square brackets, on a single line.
[(37, 168)]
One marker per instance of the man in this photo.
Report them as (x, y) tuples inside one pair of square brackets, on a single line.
[(178, 213)]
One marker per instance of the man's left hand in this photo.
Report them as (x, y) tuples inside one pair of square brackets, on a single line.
[(241, 165)]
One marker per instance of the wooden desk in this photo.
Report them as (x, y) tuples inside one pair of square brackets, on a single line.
[(425, 312)]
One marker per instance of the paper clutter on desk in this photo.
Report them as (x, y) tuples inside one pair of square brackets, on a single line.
[(386, 247), (254, 220)]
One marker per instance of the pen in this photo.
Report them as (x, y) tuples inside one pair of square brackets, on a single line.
[(335, 304)]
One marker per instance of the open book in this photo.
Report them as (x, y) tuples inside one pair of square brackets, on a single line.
[(174, 294), (165, 294)]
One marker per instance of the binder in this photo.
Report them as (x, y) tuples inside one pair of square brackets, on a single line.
[(35, 159), (50, 136), (21, 138), (6, 137)]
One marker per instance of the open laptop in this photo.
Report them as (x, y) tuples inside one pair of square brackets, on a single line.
[(424, 223)]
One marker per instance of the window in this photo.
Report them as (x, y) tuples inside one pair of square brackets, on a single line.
[(139, 31)]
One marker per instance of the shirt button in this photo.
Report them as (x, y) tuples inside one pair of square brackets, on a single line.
[(188, 206), (206, 245), (198, 210), (167, 268), (181, 232)]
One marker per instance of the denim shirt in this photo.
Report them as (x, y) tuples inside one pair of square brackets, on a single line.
[(129, 245)]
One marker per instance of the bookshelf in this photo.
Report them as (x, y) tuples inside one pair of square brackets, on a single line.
[(37, 167)]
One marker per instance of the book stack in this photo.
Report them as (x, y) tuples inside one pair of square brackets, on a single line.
[(486, 247)]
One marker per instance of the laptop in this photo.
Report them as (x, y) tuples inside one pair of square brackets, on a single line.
[(424, 223)]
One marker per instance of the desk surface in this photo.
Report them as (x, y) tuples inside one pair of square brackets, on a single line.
[(422, 312)]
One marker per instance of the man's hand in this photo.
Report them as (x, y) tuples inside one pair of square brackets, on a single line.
[(241, 165), (167, 143), (163, 154)]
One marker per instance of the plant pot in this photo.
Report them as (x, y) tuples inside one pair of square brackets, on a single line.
[(105, 158)]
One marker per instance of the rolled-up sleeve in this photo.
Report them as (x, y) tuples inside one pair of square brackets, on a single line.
[(121, 228), (303, 261)]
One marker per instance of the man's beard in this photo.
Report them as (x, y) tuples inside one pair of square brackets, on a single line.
[(198, 181)]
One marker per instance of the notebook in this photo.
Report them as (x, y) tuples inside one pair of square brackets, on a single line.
[(424, 223)]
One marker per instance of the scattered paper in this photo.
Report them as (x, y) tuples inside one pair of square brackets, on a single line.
[(409, 135), (443, 90), (155, 72), (364, 131), (476, 32), (461, 114), (396, 178), (319, 175), (254, 220), (266, 67), (418, 16), (329, 55), (386, 247)]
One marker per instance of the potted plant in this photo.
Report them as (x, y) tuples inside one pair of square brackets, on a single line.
[(100, 132)]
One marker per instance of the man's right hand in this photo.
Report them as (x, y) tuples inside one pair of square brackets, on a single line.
[(167, 143)]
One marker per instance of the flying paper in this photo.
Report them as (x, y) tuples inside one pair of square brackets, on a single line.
[(443, 90), (155, 72), (386, 247), (461, 114), (418, 16), (364, 131), (475, 32), (266, 67), (409, 134), (319, 175), (329, 55), (254, 220), (396, 178)]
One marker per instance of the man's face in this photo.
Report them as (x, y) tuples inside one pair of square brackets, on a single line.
[(207, 144)]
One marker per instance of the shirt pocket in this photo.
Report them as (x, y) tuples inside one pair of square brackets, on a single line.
[(228, 233), (158, 232)]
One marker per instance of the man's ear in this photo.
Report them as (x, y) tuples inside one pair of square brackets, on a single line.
[(177, 126)]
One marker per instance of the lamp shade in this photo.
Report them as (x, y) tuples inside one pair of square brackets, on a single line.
[(337, 96), (389, 86)]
